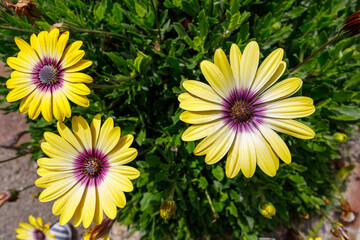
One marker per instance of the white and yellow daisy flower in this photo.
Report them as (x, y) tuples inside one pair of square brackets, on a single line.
[(238, 113), (34, 231), (85, 173), (46, 76)]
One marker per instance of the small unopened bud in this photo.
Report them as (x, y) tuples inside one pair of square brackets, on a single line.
[(276, 26), (167, 209), (267, 209), (351, 25), (10, 195), (100, 232), (340, 137)]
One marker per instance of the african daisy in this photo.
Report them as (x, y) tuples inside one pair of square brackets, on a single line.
[(46, 76), (34, 231), (238, 112), (85, 173)]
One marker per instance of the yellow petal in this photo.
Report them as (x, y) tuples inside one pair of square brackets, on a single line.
[(95, 129), (122, 156), (123, 144), (57, 190), (35, 106), (121, 182), (89, 206), (19, 83), (82, 132), (207, 143), (295, 107), (107, 142), (264, 158), (61, 144), (202, 90), (27, 50), (77, 77), (70, 202), (220, 147), (42, 44), (198, 104), (216, 78), (249, 64), (267, 69), (127, 171), (199, 131), (291, 127), (283, 89), (235, 58), (222, 63), (277, 144), (19, 93), (107, 205), (117, 196), (278, 73), (61, 106), (20, 64), (78, 88), (98, 215), (200, 117), (80, 65), (52, 41), (66, 134), (80, 100), (61, 44), (46, 107)]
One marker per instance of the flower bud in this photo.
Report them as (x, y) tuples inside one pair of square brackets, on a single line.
[(10, 195), (340, 137), (267, 209), (101, 231), (167, 209), (351, 25)]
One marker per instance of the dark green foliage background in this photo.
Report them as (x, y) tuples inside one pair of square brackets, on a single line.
[(147, 105)]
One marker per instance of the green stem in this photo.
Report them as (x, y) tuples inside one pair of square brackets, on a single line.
[(16, 29), (172, 191), (260, 192), (100, 32), (314, 53), (122, 79), (216, 216), (27, 187)]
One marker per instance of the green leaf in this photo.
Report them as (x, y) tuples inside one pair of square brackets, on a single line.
[(179, 28), (218, 173), (232, 208), (203, 24), (298, 180), (140, 10), (203, 183), (140, 137), (117, 13), (99, 10)]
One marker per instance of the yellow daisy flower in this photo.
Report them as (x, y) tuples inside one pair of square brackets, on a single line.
[(86, 172), (34, 231), (238, 112), (46, 76)]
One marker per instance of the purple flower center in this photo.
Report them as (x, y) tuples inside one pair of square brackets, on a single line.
[(241, 112), (39, 235), (48, 75), (92, 167)]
